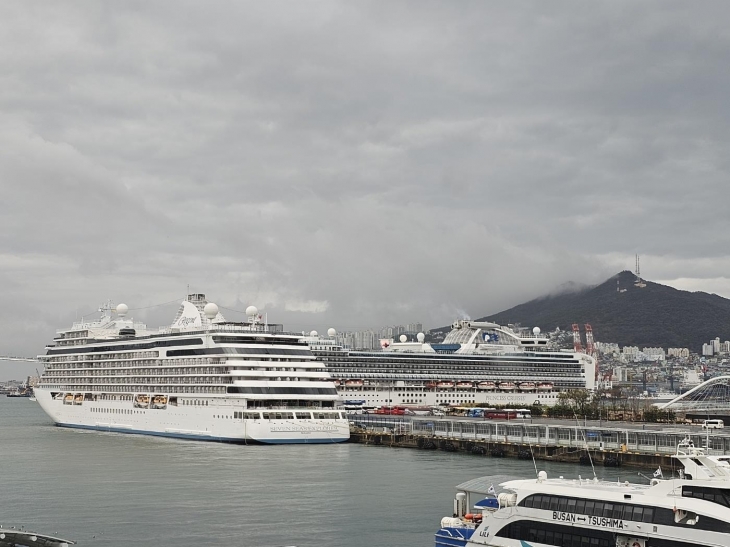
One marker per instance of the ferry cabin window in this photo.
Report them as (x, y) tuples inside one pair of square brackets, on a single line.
[(715, 495), (629, 512), (621, 511), (557, 534), (566, 536)]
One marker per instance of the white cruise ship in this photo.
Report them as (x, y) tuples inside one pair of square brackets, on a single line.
[(478, 362), (692, 510), (202, 378)]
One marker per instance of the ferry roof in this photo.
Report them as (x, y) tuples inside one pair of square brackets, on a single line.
[(480, 485)]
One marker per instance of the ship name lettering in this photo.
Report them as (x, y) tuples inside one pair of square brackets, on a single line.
[(567, 517), (603, 521)]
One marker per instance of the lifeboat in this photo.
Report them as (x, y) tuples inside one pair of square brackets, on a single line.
[(487, 385), (68, 399), (353, 383), (545, 386), (336, 382), (506, 386), (527, 386), (464, 385), (78, 399), (430, 385), (445, 384), (159, 401)]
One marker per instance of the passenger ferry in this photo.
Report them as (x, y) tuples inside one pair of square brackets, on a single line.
[(689, 511), (201, 378), (478, 362)]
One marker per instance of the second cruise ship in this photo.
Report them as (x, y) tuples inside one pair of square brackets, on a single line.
[(478, 362), (201, 378)]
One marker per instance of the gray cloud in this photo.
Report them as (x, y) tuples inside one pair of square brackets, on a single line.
[(354, 165)]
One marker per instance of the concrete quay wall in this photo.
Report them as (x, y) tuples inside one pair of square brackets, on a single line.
[(608, 446)]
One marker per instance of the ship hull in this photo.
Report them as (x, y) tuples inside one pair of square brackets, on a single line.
[(215, 421)]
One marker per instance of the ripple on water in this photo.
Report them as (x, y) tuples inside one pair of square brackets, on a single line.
[(110, 489)]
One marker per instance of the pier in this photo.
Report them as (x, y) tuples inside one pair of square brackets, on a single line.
[(647, 445)]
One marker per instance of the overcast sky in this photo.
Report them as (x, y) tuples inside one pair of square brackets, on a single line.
[(353, 164)]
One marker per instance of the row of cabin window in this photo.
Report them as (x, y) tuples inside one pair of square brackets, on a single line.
[(286, 415), (558, 535), (563, 535), (593, 508), (715, 495)]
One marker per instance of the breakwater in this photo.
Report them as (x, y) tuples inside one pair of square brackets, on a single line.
[(610, 446)]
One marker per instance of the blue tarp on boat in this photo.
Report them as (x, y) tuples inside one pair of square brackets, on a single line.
[(487, 503), (453, 537)]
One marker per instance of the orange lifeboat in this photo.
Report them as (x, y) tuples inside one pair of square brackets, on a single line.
[(487, 385), (507, 386), (445, 384), (353, 383)]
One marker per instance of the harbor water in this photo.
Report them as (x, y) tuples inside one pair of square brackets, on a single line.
[(107, 489)]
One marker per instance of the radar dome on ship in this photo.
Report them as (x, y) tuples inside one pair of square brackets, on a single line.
[(331, 332), (403, 338), (313, 333), (122, 310), (210, 310), (536, 331), (252, 310), (420, 337)]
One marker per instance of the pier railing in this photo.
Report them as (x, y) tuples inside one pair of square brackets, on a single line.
[(628, 439)]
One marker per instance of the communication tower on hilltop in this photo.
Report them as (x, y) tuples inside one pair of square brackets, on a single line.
[(639, 282)]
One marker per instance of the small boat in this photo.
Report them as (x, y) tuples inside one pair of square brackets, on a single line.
[(68, 399), (487, 385), (78, 399), (507, 386), (142, 401), (353, 383), (464, 385), (445, 384), (527, 386), (19, 536), (545, 386)]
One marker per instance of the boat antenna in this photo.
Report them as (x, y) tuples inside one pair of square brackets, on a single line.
[(529, 443), (585, 441)]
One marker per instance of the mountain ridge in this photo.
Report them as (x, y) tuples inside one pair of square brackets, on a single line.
[(655, 315)]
